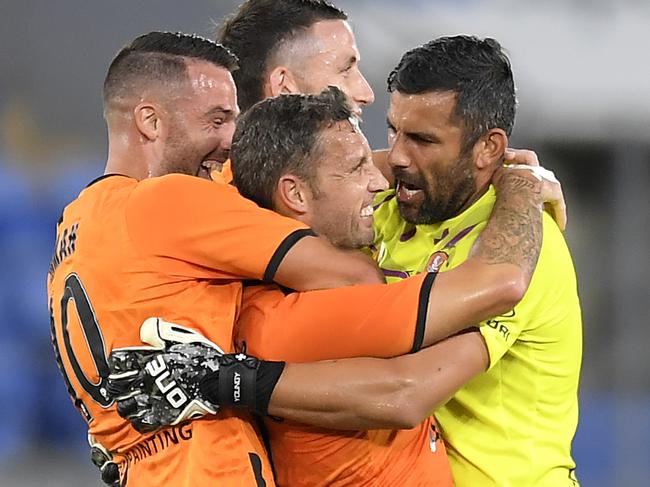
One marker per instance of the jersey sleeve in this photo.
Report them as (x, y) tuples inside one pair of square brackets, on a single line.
[(500, 333), (208, 229), (382, 320), (544, 301)]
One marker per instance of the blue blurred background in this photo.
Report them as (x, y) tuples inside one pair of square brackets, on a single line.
[(583, 76)]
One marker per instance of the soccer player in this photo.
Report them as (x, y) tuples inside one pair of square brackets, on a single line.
[(294, 46), (151, 238), (452, 108), (137, 242)]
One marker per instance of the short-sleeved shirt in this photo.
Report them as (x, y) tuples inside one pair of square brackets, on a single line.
[(512, 425), (175, 247)]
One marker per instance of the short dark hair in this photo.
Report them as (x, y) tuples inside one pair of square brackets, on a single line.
[(281, 135), (256, 31), (476, 70), (161, 56)]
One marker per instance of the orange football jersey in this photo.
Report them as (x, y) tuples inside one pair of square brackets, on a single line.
[(175, 247)]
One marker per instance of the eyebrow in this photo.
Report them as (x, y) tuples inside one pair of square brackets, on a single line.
[(218, 110), (419, 135), (351, 60)]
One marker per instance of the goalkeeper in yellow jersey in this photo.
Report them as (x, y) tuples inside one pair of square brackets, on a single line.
[(452, 108)]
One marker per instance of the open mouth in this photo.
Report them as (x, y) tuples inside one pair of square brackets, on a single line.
[(407, 192)]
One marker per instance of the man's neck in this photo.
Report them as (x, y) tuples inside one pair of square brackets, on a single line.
[(473, 198), (131, 165)]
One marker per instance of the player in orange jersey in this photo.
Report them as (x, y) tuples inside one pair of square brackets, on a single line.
[(149, 237), (331, 187)]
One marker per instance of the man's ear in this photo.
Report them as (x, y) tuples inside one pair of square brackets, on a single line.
[(292, 195), (489, 149), (147, 120), (281, 81)]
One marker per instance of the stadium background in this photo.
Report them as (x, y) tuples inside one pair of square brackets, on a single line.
[(582, 72)]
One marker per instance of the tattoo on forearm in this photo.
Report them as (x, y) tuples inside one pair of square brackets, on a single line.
[(514, 232)]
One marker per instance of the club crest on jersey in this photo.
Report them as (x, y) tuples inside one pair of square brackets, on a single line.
[(436, 261)]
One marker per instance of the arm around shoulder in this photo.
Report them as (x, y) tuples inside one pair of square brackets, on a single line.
[(314, 263), (370, 393)]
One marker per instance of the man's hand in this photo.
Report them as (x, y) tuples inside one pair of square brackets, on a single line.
[(158, 386), (551, 188), (183, 375)]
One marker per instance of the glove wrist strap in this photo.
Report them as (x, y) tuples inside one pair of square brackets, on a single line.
[(242, 382)]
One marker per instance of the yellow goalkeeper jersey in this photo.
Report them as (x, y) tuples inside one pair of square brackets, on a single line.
[(511, 426)]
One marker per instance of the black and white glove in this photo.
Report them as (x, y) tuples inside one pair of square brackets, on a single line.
[(182, 376)]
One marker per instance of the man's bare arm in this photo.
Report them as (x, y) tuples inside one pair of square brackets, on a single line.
[(314, 263), (496, 276), (360, 393), (366, 393)]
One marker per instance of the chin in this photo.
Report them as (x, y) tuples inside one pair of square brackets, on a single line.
[(410, 213), (366, 240)]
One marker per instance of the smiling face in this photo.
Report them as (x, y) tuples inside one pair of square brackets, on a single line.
[(434, 176), (341, 195), (327, 55), (201, 121)]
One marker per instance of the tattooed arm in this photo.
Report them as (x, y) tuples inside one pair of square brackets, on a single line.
[(496, 276)]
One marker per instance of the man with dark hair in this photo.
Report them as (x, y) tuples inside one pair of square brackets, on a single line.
[(293, 46), (476, 77), (318, 169), (452, 108), (156, 64), (179, 246)]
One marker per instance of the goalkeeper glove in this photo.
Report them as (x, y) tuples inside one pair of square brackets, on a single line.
[(182, 375)]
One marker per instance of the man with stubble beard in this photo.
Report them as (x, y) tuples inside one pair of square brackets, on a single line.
[(452, 108)]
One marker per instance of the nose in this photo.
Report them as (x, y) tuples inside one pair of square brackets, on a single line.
[(397, 156), (377, 181), (363, 94), (227, 132)]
